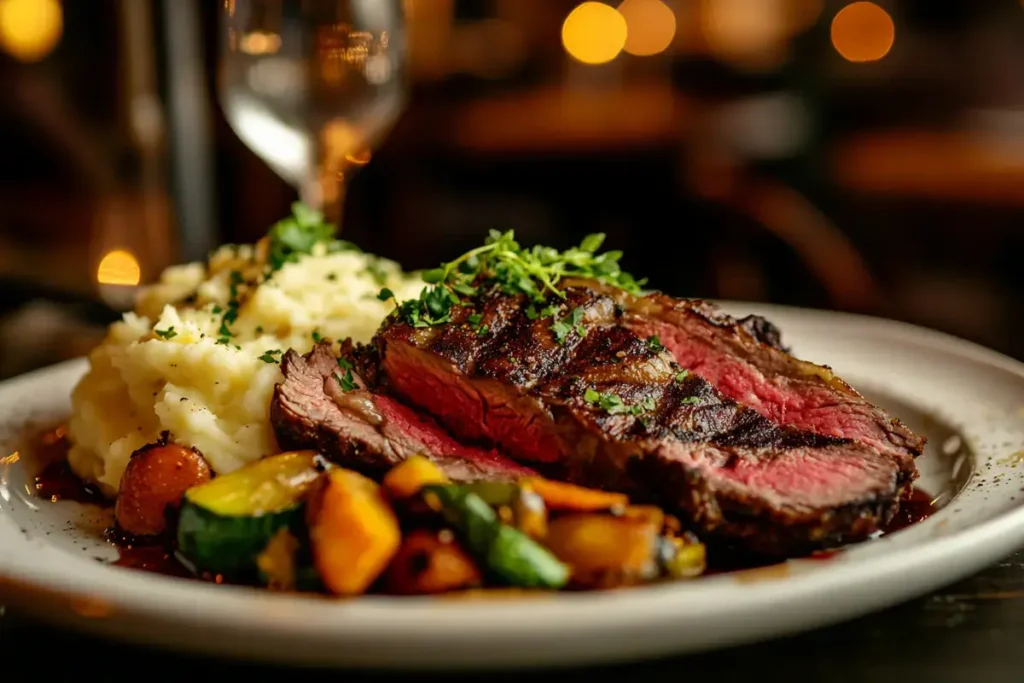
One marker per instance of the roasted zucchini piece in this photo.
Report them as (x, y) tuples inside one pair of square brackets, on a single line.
[(227, 522)]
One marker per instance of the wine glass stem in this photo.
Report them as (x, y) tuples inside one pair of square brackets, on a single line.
[(330, 201)]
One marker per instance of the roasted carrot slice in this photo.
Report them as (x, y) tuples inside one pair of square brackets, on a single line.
[(561, 496)]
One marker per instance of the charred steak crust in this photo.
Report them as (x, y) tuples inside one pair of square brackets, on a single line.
[(612, 408), (746, 361), (364, 430)]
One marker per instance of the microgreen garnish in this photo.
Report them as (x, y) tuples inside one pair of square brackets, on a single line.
[(317, 337), (614, 405), (573, 321), (690, 400), (166, 334), (293, 237), (344, 363), (654, 344), (682, 375), (271, 356), (502, 263), (346, 381)]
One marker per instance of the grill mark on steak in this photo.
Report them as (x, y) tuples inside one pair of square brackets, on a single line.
[(746, 361), (364, 430), (731, 469)]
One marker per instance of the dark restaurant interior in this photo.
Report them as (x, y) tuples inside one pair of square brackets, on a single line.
[(850, 156)]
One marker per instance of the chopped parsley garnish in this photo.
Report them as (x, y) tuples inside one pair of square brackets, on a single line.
[(374, 270), (573, 321), (259, 329), (682, 375), (614, 405), (346, 381), (533, 314), (344, 363), (235, 279), (166, 334), (271, 356), (317, 337), (216, 310), (654, 344), (475, 319), (503, 264), (331, 277)]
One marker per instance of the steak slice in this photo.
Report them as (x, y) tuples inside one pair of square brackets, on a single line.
[(607, 408), (363, 430), (746, 362)]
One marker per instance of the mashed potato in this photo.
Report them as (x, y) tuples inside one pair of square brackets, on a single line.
[(167, 366)]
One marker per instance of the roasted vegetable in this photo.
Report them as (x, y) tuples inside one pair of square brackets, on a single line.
[(504, 551), (606, 550), (494, 493), (569, 497), (228, 521), (277, 561), (353, 531), (430, 562), (156, 477), (405, 479), (682, 557), (516, 504)]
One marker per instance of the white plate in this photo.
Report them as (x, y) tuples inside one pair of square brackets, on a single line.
[(968, 400)]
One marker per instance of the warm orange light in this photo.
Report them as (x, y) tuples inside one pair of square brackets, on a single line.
[(30, 29), (594, 33), (119, 267), (863, 32), (650, 26), (750, 34), (260, 43)]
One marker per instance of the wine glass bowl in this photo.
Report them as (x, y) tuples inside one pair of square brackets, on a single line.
[(313, 87)]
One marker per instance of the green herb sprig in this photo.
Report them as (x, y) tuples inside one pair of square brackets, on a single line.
[(534, 272)]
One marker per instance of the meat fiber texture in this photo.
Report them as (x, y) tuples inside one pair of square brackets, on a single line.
[(363, 430), (606, 405)]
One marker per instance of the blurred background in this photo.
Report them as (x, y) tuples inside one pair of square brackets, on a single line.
[(857, 156)]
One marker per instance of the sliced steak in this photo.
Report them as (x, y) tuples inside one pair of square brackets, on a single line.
[(745, 360), (610, 409), (364, 430)]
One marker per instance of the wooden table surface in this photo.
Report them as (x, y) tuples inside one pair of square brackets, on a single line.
[(971, 631)]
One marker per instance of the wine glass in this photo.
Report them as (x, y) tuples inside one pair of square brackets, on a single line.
[(312, 87)]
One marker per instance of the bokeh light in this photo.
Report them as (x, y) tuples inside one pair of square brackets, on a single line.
[(650, 26), (863, 32), (30, 29), (119, 267), (594, 33)]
